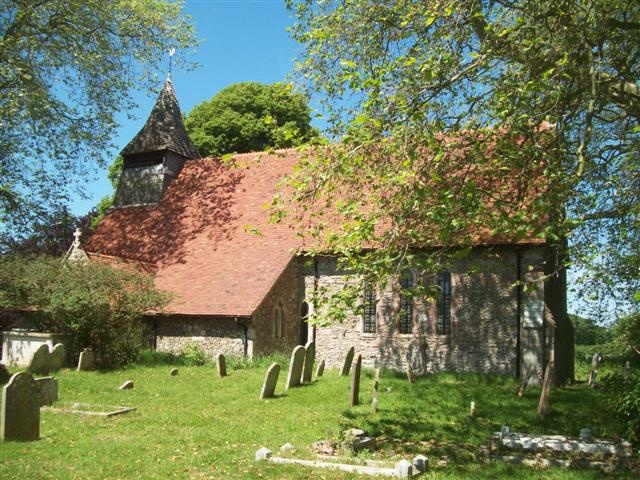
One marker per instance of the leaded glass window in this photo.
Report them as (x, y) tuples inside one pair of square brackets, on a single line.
[(369, 314), (406, 303), (444, 303)]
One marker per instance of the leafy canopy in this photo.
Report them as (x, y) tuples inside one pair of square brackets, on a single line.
[(527, 92), (67, 68), (250, 117)]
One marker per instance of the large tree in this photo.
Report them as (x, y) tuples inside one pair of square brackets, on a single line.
[(435, 101), (250, 117), (67, 68)]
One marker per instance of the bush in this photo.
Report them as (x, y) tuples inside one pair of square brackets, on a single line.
[(192, 354), (624, 401), (100, 305)]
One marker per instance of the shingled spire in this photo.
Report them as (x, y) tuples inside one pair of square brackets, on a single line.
[(156, 154), (164, 129)]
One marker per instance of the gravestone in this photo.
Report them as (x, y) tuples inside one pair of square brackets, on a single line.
[(376, 383), (404, 469), (39, 363), (128, 385), (410, 376), (593, 373), (320, 369), (355, 382), (347, 362), (173, 372), (86, 361), (47, 390), (295, 367), (221, 363), (56, 358), (270, 381), (472, 409), (4, 374), (20, 412), (309, 358)]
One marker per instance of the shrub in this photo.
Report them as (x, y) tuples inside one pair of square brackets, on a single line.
[(192, 354), (624, 401), (150, 357)]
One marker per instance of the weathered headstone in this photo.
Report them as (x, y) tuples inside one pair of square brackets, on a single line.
[(420, 463), (404, 469), (320, 369), (173, 372), (355, 382), (593, 373), (309, 358), (56, 358), (295, 367), (348, 360), (20, 412), (221, 363), (39, 363), (376, 383), (263, 454), (270, 381), (4, 374), (87, 360), (472, 409), (410, 376), (47, 390), (128, 385)]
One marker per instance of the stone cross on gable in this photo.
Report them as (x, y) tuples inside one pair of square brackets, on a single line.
[(75, 252), (76, 235)]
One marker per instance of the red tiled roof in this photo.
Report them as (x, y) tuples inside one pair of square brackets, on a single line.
[(209, 240)]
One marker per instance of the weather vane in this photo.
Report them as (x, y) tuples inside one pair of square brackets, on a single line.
[(172, 51)]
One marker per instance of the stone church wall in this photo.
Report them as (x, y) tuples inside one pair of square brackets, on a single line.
[(484, 319)]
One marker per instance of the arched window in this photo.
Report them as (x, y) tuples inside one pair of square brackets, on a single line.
[(369, 313), (406, 302), (277, 328), (444, 303)]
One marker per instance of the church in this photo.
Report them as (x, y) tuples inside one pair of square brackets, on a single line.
[(192, 223)]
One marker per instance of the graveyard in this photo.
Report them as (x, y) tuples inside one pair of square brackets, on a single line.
[(200, 422)]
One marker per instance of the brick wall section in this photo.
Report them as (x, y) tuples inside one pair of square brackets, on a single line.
[(288, 292), (484, 324), (213, 334)]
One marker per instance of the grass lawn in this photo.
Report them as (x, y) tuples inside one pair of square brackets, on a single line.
[(195, 425)]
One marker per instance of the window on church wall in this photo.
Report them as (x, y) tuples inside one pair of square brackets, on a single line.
[(277, 329), (406, 303), (444, 303), (369, 313)]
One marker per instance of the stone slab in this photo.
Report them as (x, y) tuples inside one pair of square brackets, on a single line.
[(270, 381), (128, 385), (309, 358), (86, 361), (355, 382), (47, 389), (20, 411), (348, 360), (345, 467), (295, 367), (320, 369), (39, 363), (221, 365), (56, 357)]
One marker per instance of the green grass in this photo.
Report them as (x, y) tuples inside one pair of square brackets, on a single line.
[(196, 425)]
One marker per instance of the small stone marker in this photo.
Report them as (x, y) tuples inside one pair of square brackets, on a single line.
[(593, 373), (287, 447), (20, 412), (472, 409), (173, 372), (355, 382), (348, 360), (263, 454), (420, 463), (128, 385), (309, 358), (295, 367), (410, 376), (270, 381), (376, 383), (47, 390), (221, 363), (4, 374), (56, 358), (86, 361), (320, 369), (404, 469), (39, 363)]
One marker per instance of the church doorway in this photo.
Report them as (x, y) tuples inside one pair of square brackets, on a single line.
[(304, 326)]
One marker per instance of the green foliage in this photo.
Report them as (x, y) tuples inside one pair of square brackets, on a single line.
[(250, 117), (149, 357), (588, 332), (113, 174), (67, 69), (627, 334), (472, 82), (100, 305), (624, 401), (192, 354)]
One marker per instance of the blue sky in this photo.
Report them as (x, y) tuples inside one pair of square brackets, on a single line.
[(241, 41)]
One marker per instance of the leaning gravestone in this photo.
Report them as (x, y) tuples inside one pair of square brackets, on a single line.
[(87, 360), (355, 381), (47, 389), (347, 362), (221, 363), (295, 367), (128, 385), (593, 373), (20, 412), (56, 358), (270, 381), (309, 357), (320, 369), (39, 363)]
